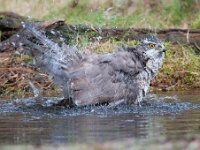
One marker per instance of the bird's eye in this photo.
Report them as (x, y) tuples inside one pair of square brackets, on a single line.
[(151, 45)]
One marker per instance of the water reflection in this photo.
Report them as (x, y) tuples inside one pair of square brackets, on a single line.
[(39, 126), (88, 128)]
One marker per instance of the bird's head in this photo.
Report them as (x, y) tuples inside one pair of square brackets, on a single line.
[(153, 51), (153, 48)]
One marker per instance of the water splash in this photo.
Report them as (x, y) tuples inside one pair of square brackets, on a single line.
[(52, 58), (46, 107)]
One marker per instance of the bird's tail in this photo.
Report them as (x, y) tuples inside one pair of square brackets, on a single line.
[(50, 57)]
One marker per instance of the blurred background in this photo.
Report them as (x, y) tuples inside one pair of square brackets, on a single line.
[(121, 13)]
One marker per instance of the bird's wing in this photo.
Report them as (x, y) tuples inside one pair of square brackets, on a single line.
[(101, 79), (123, 61), (95, 87)]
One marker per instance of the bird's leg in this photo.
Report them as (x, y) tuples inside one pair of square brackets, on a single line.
[(139, 98), (67, 100)]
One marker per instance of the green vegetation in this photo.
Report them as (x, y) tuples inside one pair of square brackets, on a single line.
[(196, 23), (147, 14), (180, 69), (179, 11), (120, 13)]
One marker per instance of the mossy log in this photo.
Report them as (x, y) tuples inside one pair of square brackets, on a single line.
[(11, 23)]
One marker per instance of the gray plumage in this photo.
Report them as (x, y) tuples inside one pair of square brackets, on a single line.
[(120, 77)]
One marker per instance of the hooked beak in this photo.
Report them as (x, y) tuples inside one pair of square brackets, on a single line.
[(163, 50)]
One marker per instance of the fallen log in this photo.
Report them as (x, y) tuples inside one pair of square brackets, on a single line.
[(11, 23)]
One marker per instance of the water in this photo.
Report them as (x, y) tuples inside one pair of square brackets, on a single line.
[(169, 115)]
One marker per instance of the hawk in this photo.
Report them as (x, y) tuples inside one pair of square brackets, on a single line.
[(120, 77)]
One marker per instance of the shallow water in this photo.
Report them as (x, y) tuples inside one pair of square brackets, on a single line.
[(170, 115)]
